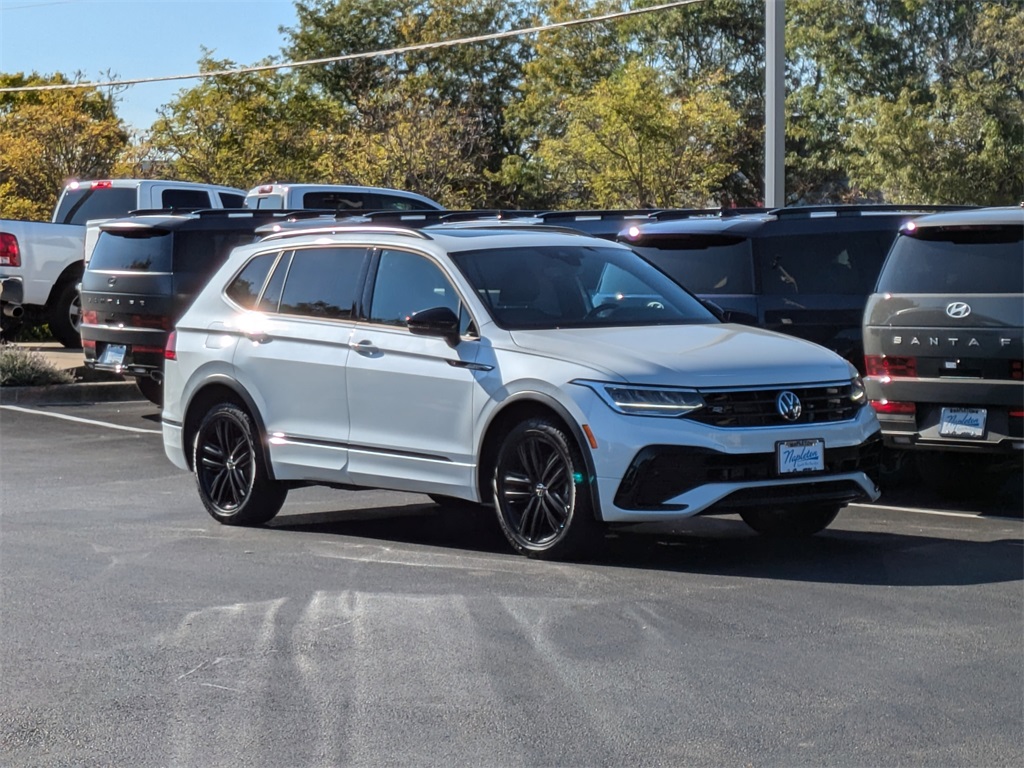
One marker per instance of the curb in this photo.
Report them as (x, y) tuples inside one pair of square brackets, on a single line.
[(71, 394)]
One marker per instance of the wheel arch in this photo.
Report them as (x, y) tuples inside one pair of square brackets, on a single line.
[(221, 389), (72, 273), (519, 408)]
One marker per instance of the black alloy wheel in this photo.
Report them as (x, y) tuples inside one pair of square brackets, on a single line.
[(542, 494), (231, 475)]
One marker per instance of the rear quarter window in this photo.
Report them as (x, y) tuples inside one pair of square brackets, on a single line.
[(969, 260), (704, 264), (844, 263)]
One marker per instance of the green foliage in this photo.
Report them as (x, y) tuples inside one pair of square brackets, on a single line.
[(20, 367), (900, 100), (48, 137), (631, 143)]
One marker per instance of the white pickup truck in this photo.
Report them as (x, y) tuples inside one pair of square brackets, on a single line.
[(41, 263), (340, 198)]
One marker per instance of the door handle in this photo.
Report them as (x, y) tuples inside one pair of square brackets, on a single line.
[(364, 347), (258, 337)]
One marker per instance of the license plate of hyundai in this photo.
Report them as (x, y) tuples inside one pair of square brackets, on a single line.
[(112, 355), (963, 422), (796, 456)]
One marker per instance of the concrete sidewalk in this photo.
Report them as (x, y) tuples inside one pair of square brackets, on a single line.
[(88, 388)]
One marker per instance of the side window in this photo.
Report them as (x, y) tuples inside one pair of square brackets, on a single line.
[(246, 287), (323, 282), (407, 283), (231, 200), (841, 263), (394, 203), (271, 298), (184, 198)]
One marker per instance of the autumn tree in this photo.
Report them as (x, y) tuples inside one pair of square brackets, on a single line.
[(632, 142), (243, 129), (49, 137)]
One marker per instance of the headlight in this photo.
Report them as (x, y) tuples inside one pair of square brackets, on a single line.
[(646, 401), (857, 394)]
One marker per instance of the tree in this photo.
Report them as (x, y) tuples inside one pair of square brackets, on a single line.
[(50, 137), (632, 143), (243, 129)]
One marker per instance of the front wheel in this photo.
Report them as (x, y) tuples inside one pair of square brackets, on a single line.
[(231, 475), (543, 500), (790, 522)]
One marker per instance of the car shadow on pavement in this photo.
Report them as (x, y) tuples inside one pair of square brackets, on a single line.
[(714, 546)]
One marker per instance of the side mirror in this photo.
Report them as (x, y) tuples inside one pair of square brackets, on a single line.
[(714, 309), (439, 322)]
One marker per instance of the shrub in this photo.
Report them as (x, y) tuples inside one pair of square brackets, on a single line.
[(20, 367)]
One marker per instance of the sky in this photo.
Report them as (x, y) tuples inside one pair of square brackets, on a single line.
[(138, 38)]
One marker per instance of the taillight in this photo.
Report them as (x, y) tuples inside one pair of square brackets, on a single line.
[(1017, 370), (161, 322), (90, 317), (883, 365), (170, 351), (101, 185), (892, 406), (89, 344), (10, 253)]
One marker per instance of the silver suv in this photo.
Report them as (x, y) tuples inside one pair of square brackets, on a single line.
[(944, 344), (506, 368)]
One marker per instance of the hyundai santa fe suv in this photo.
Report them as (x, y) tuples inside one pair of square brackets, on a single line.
[(944, 344), (499, 367)]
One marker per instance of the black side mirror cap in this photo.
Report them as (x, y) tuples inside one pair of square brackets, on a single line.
[(439, 322)]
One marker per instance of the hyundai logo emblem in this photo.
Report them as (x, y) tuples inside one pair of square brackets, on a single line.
[(789, 405), (111, 280), (958, 309)]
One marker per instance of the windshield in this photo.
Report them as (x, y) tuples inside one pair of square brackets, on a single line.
[(81, 204), (576, 287), (968, 260)]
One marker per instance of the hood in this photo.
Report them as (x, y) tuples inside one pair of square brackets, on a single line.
[(690, 355)]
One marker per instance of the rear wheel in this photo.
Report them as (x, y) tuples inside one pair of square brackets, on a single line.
[(66, 316), (790, 522), (231, 474), (544, 504), (151, 389)]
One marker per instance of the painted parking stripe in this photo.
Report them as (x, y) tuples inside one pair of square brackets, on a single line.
[(80, 420), (921, 511)]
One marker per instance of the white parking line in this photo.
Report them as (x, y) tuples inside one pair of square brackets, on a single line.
[(920, 511), (80, 420)]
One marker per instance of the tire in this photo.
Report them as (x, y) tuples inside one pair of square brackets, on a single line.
[(230, 470), (543, 508), (66, 316), (151, 389), (795, 522)]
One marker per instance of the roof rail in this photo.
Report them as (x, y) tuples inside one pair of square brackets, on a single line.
[(273, 232), (669, 214), (204, 213), (595, 213), (859, 209)]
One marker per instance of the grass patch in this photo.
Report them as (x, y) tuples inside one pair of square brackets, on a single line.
[(21, 367)]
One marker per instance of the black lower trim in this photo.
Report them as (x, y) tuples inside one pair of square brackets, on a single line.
[(662, 472)]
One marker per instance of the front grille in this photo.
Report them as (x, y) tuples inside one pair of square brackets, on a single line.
[(758, 408), (661, 472)]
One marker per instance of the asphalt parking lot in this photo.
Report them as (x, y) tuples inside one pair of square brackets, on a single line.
[(369, 628)]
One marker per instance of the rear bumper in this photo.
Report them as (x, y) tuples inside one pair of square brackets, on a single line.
[(11, 290)]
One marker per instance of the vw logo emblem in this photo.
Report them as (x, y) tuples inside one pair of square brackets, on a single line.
[(958, 309), (789, 405)]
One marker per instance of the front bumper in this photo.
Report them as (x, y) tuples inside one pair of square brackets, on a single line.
[(651, 469)]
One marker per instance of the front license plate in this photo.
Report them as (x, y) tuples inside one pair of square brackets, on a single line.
[(800, 456), (112, 355), (963, 422)]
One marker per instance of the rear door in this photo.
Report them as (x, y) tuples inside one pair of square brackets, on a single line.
[(293, 355)]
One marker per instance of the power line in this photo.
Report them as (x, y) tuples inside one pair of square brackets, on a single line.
[(354, 56)]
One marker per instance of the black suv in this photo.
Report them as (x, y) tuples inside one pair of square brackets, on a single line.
[(142, 276), (944, 344), (805, 270)]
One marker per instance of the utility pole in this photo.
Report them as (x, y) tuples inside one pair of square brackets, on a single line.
[(775, 103)]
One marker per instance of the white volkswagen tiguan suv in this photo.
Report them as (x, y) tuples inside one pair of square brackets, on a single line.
[(559, 379)]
